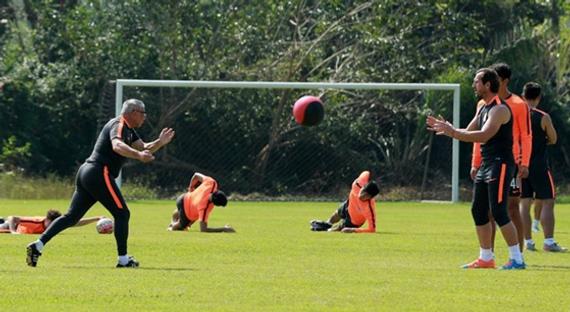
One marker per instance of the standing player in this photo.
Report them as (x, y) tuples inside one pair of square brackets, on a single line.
[(522, 146), (491, 126), (197, 204), (95, 181), (359, 208), (539, 183)]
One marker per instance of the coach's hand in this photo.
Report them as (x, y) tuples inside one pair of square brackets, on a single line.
[(146, 156), (166, 136)]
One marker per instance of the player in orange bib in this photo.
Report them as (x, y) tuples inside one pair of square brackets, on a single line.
[(197, 204), (360, 208), (36, 225)]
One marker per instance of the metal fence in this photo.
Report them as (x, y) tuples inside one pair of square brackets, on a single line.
[(243, 134)]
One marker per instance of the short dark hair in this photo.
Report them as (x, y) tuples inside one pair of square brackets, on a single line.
[(53, 214), (503, 70), (219, 198), (531, 90), (490, 75), (371, 188)]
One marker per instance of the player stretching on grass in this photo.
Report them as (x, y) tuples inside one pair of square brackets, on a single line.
[(36, 225), (491, 126), (95, 181), (360, 207), (197, 204), (539, 183)]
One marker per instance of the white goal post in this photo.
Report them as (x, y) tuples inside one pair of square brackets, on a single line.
[(121, 83)]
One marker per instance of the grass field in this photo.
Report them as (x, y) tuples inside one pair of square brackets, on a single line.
[(275, 263)]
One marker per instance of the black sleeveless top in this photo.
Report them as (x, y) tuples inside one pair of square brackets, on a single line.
[(500, 146), (539, 155)]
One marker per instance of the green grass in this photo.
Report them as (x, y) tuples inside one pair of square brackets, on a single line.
[(274, 262)]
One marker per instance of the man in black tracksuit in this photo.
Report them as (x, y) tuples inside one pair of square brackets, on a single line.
[(95, 180)]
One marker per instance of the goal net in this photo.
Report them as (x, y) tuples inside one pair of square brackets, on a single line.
[(243, 134)]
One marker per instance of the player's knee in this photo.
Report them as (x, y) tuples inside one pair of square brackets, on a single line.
[(122, 215), (480, 216), (501, 216)]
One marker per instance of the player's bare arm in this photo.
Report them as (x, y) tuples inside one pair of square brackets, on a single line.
[(204, 228), (86, 221), (497, 117), (548, 127), (195, 181)]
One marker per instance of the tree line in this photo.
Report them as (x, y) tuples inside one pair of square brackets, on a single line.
[(59, 61)]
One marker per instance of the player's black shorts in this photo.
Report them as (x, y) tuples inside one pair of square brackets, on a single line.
[(182, 219), (490, 192), (345, 216), (515, 187), (538, 185)]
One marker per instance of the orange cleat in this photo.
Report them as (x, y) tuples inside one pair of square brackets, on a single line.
[(480, 264)]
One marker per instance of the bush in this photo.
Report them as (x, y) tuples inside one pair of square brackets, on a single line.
[(14, 185)]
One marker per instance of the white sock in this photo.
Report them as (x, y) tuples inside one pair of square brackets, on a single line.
[(485, 254), (529, 241), (515, 253), (549, 241), (124, 259), (39, 245)]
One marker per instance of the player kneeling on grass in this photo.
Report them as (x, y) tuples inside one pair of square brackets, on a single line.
[(360, 207), (197, 204)]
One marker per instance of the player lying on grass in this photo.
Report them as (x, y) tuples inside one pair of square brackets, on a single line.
[(35, 225), (197, 204), (360, 207)]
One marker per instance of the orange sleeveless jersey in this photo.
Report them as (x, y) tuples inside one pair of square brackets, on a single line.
[(31, 225), (197, 205), (361, 211), (522, 132)]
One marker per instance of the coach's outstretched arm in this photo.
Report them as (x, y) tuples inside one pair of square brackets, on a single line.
[(163, 139)]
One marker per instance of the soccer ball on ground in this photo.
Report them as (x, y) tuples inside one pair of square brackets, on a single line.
[(308, 111), (104, 226)]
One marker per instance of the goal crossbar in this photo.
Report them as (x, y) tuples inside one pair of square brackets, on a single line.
[(121, 83)]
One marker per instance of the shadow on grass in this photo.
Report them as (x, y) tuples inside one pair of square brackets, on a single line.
[(165, 269), (387, 233), (128, 269), (549, 267)]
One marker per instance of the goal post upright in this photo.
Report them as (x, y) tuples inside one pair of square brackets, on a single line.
[(121, 83)]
